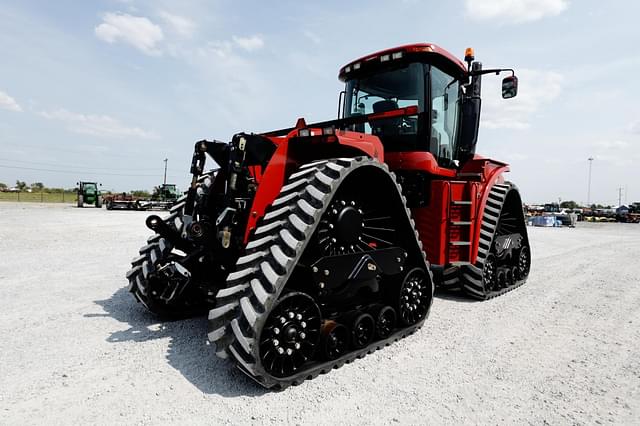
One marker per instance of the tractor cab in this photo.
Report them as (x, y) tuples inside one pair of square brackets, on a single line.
[(438, 94)]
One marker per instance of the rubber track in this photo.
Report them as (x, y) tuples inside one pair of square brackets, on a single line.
[(243, 306), (156, 251), (471, 275)]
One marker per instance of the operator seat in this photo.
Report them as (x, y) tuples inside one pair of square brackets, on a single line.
[(386, 126)]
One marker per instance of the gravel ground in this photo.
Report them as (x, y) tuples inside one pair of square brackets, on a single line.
[(76, 348)]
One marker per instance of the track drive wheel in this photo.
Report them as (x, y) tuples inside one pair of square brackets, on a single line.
[(290, 335)]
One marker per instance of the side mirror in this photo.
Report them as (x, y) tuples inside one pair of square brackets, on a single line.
[(509, 87)]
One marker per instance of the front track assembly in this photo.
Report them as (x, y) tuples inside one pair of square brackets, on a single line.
[(504, 254), (325, 279)]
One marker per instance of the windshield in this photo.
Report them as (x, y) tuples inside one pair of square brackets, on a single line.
[(395, 88)]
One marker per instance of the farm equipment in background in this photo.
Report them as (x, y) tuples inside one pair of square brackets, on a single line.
[(89, 193), (124, 201), (320, 243), (164, 196)]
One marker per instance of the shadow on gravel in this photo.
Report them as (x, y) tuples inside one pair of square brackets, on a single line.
[(188, 351), (453, 295)]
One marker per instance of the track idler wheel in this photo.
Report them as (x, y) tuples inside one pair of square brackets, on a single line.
[(335, 340), (363, 328), (415, 297), (385, 317), (290, 335), (524, 263)]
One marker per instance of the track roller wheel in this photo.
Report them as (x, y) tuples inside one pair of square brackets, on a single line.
[(335, 340), (524, 263), (385, 317), (415, 297), (508, 277), (363, 328), (290, 335)]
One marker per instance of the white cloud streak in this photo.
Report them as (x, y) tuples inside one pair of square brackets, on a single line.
[(8, 103), (536, 89), (514, 11), (180, 25), (249, 43), (96, 125), (136, 31)]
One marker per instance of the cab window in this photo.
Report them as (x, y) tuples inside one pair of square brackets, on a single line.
[(445, 111)]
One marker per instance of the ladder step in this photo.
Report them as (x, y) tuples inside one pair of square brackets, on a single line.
[(460, 222), (461, 203), (460, 243), (460, 263)]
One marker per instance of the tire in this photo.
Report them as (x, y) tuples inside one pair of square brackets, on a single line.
[(99, 202), (80, 200), (143, 275)]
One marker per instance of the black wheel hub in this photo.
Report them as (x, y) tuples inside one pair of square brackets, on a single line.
[(290, 335), (415, 297), (489, 274), (362, 331), (349, 225), (523, 263), (385, 322), (335, 340)]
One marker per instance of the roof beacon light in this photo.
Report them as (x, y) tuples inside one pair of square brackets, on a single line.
[(396, 55), (468, 54)]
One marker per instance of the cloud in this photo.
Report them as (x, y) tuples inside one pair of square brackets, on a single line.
[(514, 11), (8, 103), (633, 127), (136, 31), (96, 125), (535, 90), (180, 25), (249, 43)]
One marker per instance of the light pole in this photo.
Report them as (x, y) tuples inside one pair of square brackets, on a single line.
[(589, 185)]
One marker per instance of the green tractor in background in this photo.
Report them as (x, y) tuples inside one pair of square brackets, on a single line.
[(164, 196), (89, 193)]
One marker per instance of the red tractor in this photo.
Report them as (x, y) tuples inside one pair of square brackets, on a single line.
[(317, 244)]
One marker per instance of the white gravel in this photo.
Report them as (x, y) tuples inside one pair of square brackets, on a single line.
[(75, 348)]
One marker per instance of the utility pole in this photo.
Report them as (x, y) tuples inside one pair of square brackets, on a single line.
[(620, 196), (165, 171), (589, 185)]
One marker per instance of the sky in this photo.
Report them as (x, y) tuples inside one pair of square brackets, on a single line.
[(106, 90)]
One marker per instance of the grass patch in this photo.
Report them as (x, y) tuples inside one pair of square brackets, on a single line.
[(39, 197)]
